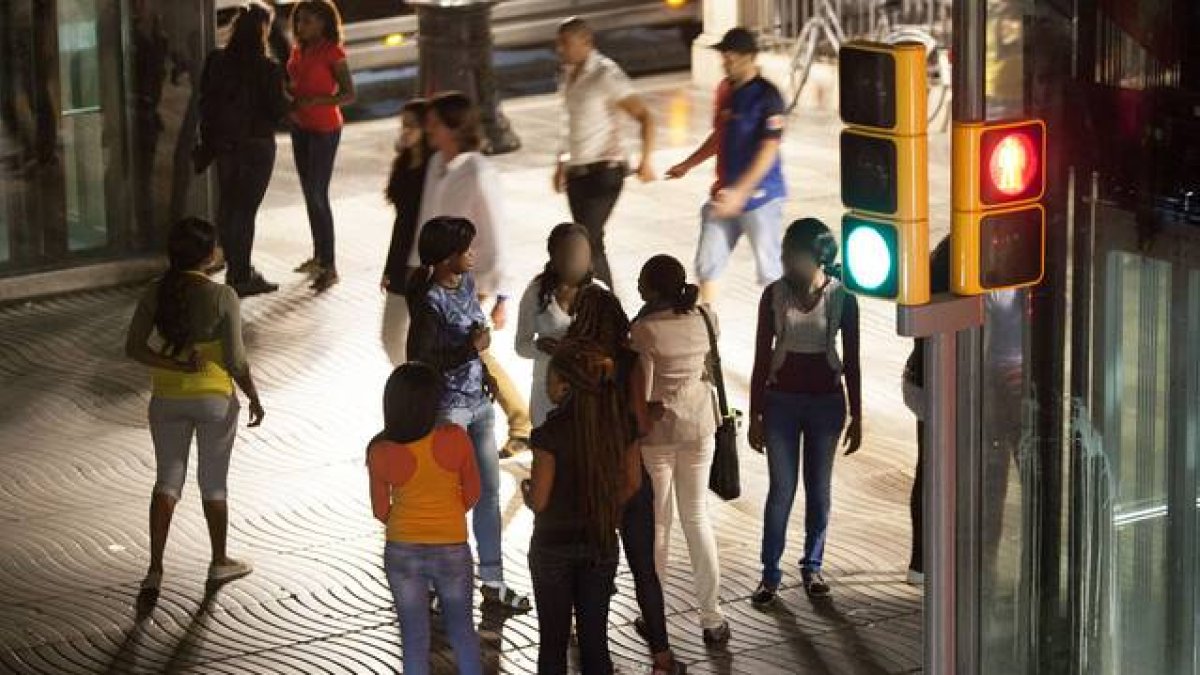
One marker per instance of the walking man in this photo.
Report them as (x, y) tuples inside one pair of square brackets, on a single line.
[(592, 164), (747, 197)]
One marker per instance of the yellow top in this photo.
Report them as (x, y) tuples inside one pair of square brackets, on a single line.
[(428, 507)]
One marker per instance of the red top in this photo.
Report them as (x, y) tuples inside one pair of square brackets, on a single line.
[(721, 115), (311, 72)]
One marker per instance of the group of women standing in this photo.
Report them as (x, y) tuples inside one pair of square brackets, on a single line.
[(245, 96)]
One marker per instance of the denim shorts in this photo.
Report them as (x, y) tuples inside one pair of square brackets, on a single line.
[(719, 236)]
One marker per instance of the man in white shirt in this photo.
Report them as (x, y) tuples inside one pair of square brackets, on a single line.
[(592, 164)]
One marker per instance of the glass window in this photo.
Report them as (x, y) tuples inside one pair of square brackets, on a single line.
[(82, 124)]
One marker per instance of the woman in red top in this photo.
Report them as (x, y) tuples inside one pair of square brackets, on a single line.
[(320, 83)]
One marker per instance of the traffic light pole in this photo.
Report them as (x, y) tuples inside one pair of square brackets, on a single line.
[(941, 322)]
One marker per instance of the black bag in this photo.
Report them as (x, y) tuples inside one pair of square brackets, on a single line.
[(724, 478)]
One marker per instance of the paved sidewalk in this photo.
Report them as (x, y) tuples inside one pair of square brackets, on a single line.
[(76, 464)]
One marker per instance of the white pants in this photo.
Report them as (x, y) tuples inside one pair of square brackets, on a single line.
[(394, 332), (679, 473)]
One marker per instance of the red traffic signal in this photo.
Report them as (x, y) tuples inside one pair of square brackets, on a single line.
[(1013, 168)]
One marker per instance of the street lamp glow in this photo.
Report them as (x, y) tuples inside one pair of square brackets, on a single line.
[(869, 258)]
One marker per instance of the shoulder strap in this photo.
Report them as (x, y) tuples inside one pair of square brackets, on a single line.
[(714, 358)]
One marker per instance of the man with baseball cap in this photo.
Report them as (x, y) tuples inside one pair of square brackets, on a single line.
[(747, 197)]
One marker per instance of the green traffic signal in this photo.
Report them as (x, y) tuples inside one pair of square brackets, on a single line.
[(871, 251)]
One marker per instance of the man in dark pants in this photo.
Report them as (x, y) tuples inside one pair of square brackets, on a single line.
[(591, 164)]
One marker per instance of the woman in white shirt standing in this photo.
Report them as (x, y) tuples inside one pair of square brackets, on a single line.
[(671, 339), (461, 183), (548, 306)]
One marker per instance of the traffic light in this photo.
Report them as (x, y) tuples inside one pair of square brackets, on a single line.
[(884, 171), (998, 230)]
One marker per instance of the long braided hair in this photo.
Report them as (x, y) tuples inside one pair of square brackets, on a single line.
[(549, 279), (190, 244), (600, 319), (601, 434)]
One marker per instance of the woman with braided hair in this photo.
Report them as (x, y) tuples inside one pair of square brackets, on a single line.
[(585, 467)]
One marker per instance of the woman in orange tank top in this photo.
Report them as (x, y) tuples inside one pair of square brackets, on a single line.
[(423, 482)]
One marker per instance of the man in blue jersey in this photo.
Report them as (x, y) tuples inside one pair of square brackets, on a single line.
[(747, 197)]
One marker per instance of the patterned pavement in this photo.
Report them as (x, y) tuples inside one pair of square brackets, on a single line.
[(76, 464)]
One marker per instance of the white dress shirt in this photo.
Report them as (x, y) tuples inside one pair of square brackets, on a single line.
[(468, 187), (592, 124)]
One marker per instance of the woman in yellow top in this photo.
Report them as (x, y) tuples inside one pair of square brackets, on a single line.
[(188, 330), (423, 482)]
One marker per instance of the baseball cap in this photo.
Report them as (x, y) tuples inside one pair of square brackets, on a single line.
[(738, 40)]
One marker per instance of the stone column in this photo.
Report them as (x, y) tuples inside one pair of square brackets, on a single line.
[(719, 16), (454, 45)]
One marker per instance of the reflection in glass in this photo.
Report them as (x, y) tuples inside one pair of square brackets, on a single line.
[(82, 124)]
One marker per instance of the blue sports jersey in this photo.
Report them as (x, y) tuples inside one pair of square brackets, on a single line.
[(745, 116)]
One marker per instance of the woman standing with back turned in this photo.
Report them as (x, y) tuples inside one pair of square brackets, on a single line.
[(320, 81)]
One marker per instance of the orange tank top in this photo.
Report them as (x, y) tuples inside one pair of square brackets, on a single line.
[(428, 508)]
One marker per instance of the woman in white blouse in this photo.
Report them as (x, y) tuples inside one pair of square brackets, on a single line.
[(671, 339), (548, 305)]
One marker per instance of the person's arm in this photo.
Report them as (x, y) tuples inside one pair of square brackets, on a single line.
[(633, 471), (731, 200), (425, 344), (524, 343), (468, 471), (137, 343), (234, 351), (381, 498), (635, 108), (277, 99), (637, 398), (852, 369), (490, 249), (541, 481), (764, 341), (707, 149)]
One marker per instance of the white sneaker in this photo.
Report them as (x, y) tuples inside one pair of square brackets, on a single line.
[(234, 569), (915, 578)]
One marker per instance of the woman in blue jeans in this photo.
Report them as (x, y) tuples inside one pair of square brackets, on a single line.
[(448, 332), (423, 482), (798, 396)]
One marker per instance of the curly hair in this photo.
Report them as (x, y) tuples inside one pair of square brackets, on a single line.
[(666, 277), (599, 319), (549, 279), (190, 244)]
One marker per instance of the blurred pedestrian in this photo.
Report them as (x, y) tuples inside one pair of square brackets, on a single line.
[(671, 337), (242, 101), (320, 80), (798, 396), (423, 482), (449, 333), (461, 182), (747, 197), (585, 466), (403, 192), (198, 355), (592, 163)]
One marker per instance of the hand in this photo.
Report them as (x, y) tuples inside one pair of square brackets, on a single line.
[(527, 493), (756, 435), (481, 339), (645, 172), (729, 203), (500, 314), (256, 412), (560, 178), (678, 171), (853, 439), (195, 363), (547, 345)]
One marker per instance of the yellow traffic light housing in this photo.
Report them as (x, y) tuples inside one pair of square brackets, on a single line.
[(884, 170), (998, 227)]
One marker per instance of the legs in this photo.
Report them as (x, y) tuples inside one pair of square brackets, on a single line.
[(244, 174), (315, 153), (394, 332), (485, 517), (692, 466), (637, 535), (764, 227), (510, 399), (822, 429), (410, 591), (659, 462), (592, 198), (783, 465), (215, 434), (451, 573), (916, 502), (553, 580), (592, 591), (718, 237), (171, 433)]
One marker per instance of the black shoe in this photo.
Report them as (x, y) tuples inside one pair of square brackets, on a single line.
[(764, 595), (325, 280), (815, 584), (255, 285), (717, 636)]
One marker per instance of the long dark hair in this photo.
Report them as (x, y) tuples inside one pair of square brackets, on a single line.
[(247, 44), (599, 319), (190, 244), (324, 10), (666, 277), (811, 236), (408, 158), (548, 280), (460, 114), (440, 238), (410, 403), (601, 433)]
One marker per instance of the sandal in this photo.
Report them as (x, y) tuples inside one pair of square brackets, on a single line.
[(506, 598)]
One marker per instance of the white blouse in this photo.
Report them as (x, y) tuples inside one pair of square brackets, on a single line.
[(673, 350)]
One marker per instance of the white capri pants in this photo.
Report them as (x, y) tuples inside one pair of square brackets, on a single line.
[(173, 422)]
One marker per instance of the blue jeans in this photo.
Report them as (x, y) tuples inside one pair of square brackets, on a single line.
[(792, 420), (719, 236), (413, 569), (314, 152), (480, 423)]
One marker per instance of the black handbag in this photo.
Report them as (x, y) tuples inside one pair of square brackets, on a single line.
[(724, 478)]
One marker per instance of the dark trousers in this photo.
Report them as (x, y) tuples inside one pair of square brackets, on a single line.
[(314, 152), (916, 506), (243, 173), (637, 535), (592, 196), (572, 578)]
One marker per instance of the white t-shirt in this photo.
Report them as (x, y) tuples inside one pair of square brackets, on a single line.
[(592, 124)]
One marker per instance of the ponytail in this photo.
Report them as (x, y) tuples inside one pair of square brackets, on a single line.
[(666, 277), (190, 244), (418, 285), (689, 294)]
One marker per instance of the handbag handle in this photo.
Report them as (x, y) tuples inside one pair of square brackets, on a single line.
[(714, 354)]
